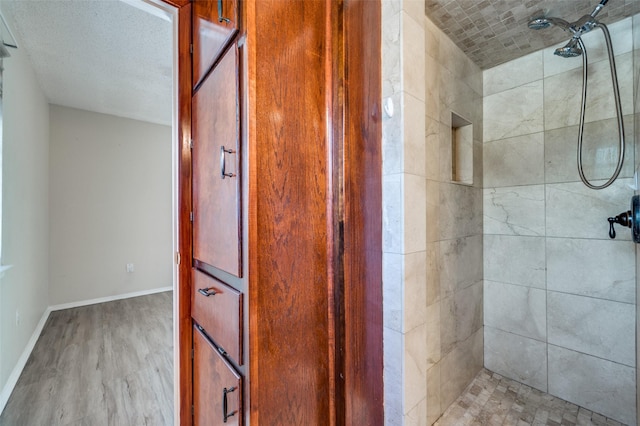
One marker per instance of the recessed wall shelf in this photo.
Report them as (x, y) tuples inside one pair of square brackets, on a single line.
[(461, 150)]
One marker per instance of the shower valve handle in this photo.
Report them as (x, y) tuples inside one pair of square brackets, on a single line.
[(629, 219), (623, 219)]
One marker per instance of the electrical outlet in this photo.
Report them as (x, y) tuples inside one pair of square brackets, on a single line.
[(130, 267), (18, 319)]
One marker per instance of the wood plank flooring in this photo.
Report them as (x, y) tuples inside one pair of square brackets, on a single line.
[(105, 364)]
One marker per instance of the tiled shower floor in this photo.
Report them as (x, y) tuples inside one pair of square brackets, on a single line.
[(495, 400)]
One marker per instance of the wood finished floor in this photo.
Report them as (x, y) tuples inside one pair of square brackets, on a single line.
[(104, 364)]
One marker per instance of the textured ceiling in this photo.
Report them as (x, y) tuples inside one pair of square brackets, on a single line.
[(491, 32), (100, 55)]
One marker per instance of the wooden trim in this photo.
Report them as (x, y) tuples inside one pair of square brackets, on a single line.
[(288, 178), (185, 243), (335, 210), (177, 3), (363, 213)]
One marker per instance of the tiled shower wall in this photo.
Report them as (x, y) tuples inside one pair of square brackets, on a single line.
[(433, 338), (559, 296), (454, 225)]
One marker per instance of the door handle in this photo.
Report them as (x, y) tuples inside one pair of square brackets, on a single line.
[(207, 291), (225, 407), (220, 17), (223, 165)]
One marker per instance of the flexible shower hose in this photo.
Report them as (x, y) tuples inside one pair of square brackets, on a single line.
[(616, 93)]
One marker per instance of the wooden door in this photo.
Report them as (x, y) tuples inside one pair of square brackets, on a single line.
[(217, 388), (216, 166)]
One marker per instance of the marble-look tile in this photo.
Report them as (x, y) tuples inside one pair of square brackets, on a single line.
[(393, 139), (457, 97), (434, 351), (460, 317), (621, 37), (596, 384), (432, 78), (513, 73), (415, 366), (563, 93), (515, 260), (474, 78), (460, 264), (393, 214), (459, 367), (516, 357), (575, 211), (433, 210), (603, 269), (599, 151), (449, 55), (462, 68), (478, 168), (415, 289), (514, 161), (415, 9), (432, 38), (390, 7), (391, 67), (413, 57), (516, 309), (415, 213), (432, 149), (393, 347), (460, 211), (393, 290), (596, 327), (445, 154), (417, 416), (517, 210), (433, 272), (434, 409), (414, 122), (514, 112)]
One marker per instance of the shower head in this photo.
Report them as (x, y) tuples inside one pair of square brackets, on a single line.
[(570, 50), (539, 23), (542, 22)]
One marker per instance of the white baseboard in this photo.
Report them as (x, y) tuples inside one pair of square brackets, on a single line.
[(108, 298), (22, 361)]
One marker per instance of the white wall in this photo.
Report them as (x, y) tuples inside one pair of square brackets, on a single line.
[(25, 202), (110, 205)]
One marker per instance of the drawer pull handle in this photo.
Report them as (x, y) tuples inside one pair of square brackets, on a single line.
[(207, 291), (220, 17), (225, 416), (223, 165)]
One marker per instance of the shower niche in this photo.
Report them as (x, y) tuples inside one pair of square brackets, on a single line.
[(461, 150)]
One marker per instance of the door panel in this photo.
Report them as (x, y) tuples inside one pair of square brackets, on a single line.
[(215, 23), (217, 387), (216, 202)]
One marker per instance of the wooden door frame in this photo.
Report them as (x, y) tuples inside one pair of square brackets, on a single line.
[(182, 297)]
